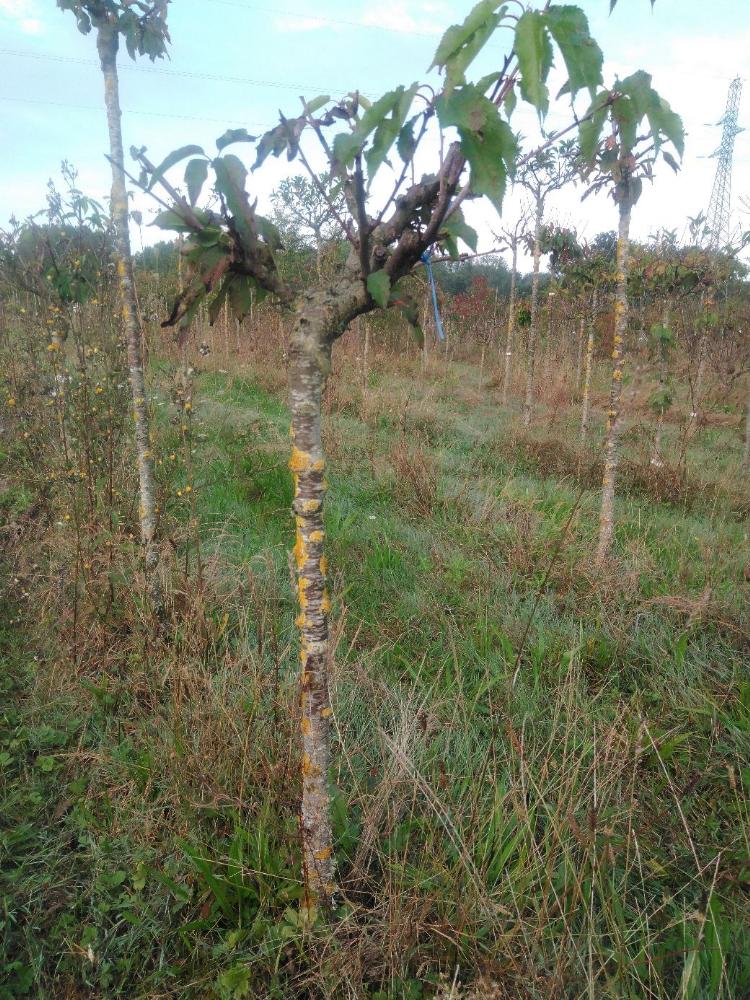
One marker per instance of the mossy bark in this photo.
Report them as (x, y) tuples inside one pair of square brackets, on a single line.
[(606, 517), (322, 317), (107, 45)]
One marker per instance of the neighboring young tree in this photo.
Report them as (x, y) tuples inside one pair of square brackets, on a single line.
[(512, 238), (232, 252), (306, 210), (143, 26), (541, 175), (619, 162)]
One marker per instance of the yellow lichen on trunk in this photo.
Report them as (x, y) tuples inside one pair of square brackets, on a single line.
[(606, 517)]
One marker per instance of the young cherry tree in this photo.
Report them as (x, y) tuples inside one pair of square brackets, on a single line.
[(543, 174), (619, 162), (143, 26), (390, 225), (512, 237)]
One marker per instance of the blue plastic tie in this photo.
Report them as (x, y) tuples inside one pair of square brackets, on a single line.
[(427, 259)]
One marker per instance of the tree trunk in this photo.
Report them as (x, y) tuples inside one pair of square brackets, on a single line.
[(579, 352), (511, 326), (587, 385), (656, 457), (309, 364), (107, 45), (528, 403), (606, 518), (695, 410)]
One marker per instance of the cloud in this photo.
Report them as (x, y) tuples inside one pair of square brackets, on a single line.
[(407, 17), (23, 13)]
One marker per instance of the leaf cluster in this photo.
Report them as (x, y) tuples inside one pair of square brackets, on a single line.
[(142, 25)]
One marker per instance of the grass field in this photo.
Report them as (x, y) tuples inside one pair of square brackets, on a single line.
[(542, 768)]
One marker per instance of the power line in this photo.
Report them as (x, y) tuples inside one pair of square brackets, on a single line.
[(151, 114), (309, 16), (215, 77)]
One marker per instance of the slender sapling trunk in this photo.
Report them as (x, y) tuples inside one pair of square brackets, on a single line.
[(107, 45), (606, 518)]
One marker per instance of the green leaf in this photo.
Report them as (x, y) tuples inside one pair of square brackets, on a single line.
[(534, 51), (385, 117), (671, 160), (406, 143), (569, 27), (271, 143), (457, 228), (379, 286), (234, 135), (462, 43), (316, 104), (241, 289), (590, 129), (230, 182), (174, 157), (487, 81), (388, 129), (486, 140), (346, 145), (196, 173), (458, 35), (171, 220), (216, 303), (625, 113), (269, 233)]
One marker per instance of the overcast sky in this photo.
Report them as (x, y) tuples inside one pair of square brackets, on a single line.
[(236, 62)]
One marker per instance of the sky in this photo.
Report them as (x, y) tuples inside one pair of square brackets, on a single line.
[(238, 62)]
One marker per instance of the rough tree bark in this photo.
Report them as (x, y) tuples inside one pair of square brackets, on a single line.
[(323, 317), (528, 403), (107, 45), (606, 518), (511, 325), (587, 374)]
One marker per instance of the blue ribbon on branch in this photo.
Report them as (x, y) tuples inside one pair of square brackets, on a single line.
[(427, 261)]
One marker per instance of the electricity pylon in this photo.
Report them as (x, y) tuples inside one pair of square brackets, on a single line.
[(717, 221)]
